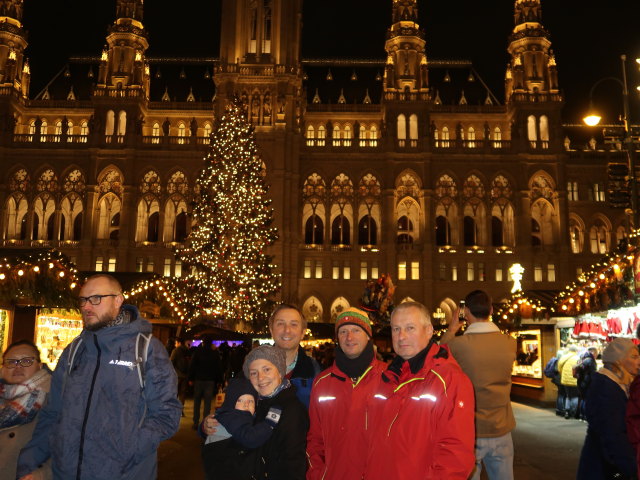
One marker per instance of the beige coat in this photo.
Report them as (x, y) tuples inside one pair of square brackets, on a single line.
[(487, 359), (12, 440)]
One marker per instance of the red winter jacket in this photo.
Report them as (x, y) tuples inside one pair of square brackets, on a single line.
[(336, 442), (422, 422)]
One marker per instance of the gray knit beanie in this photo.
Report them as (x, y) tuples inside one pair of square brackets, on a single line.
[(266, 352), (617, 350)]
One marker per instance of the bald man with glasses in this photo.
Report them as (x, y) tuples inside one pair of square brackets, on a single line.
[(104, 420)]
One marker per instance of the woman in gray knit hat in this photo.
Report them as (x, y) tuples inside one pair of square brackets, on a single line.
[(283, 457)]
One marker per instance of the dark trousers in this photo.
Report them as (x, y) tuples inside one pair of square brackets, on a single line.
[(571, 402), (183, 384), (561, 400), (202, 391)]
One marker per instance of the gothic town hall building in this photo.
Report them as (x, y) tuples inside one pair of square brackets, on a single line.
[(399, 165)]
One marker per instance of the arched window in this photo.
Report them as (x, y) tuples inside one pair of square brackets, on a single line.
[(445, 137), (413, 130), (576, 235), (405, 230), (532, 134), (363, 136), (471, 138), (340, 231), (373, 136), (599, 237), (312, 310), (155, 133), (207, 131), (310, 136), (367, 231), (314, 231), (122, 123), (496, 232), (336, 136), (470, 232), (402, 130), (110, 124), (497, 138), (443, 231), (535, 233), (322, 133), (544, 131), (347, 136), (182, 133)]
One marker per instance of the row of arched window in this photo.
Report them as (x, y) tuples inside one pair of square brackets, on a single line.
[(50, 209), (342, 135)]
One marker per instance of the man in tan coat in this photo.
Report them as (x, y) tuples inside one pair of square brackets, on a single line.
[(486, 355)]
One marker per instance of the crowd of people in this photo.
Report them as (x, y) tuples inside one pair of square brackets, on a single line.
[(436, 410)]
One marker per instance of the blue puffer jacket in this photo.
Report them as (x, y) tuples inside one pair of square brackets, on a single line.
[(98, 424)]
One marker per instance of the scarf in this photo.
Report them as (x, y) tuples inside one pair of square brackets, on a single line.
[(622, 378), (21, 402), (123, 317), (285, 384), (354, 367)]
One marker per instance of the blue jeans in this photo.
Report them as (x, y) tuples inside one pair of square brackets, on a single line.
[(497, 455), (202, 390)]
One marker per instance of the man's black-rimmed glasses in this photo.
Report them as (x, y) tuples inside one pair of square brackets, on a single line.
[(94, 299)]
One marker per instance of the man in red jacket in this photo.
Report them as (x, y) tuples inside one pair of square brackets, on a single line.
[(337, 442), (422, 411)]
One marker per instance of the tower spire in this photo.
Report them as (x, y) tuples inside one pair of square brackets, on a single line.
[(14, 68), (532, 69), (123, 65), (406, 57)]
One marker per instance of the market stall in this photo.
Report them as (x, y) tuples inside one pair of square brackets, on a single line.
[(38, 299)]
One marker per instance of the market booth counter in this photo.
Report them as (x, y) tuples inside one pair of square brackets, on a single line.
[(525, 316)]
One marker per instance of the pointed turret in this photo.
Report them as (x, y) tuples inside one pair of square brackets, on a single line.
[(123, 65), (406, 67), (532, 69), (14, 68)]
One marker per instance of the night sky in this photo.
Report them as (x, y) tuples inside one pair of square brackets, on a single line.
[(588, 37)]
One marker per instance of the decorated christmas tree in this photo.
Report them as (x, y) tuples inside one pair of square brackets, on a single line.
[(229, 274)]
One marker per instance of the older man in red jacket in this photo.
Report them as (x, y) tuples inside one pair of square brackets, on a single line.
[(336, 442), (422, 411)]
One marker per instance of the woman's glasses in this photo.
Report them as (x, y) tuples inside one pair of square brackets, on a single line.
[(14, 362)]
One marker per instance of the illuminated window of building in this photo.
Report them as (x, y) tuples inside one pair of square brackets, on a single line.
[(347, 136), (402, 270), (139, 264), (471, 138), (481, 272), (445, 137), (178, 269), (310, 135), (537, 273), (598, 192), (551, 272), (99, 264), (167, 267), (335, 270), (318, 269), (470, 272), (155, 132), (499, 272), (402, 130), (112, 264), (182, 132), (346, 271), (454, 272), (307, 269), (442, 271), (364, 274), (497, 138), (322, 133), (415, 270), (374, 270), (150, 264), (572, 191)]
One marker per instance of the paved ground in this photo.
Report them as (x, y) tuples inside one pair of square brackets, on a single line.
[(547, 447)]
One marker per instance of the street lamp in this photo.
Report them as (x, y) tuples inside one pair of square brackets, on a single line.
[(592, 119)]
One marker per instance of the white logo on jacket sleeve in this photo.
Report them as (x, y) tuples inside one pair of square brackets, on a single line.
[(124, 363)]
